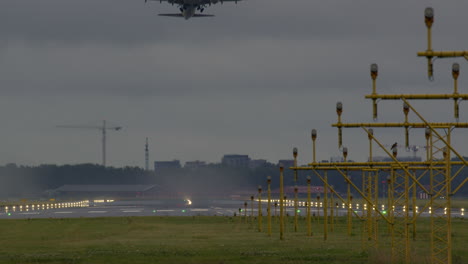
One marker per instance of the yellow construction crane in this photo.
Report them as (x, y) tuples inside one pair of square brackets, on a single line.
[(103, 129)]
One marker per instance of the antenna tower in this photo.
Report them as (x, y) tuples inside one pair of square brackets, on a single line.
[(146, 156)]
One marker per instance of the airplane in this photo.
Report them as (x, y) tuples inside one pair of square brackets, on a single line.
[(188, 8)]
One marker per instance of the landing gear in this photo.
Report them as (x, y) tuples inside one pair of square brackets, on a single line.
[(201, 8)]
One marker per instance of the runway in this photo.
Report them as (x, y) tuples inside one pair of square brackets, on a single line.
[(121, 211), (158, 208)]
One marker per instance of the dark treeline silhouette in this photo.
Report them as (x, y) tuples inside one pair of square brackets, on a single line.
[(25, 181)]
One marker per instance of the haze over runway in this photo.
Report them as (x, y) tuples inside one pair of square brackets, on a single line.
[(253, 80)]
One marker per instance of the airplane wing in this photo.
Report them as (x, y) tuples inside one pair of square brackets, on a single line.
[(172, 15), (202, 15), (218, 1), (205, 2), (180, 15)]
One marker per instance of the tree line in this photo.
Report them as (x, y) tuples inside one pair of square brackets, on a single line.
[(29, 181)]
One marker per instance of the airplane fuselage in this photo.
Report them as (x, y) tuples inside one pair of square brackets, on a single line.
[(188, 11), (189, 8)]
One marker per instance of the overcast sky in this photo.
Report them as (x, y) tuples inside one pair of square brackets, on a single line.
[(254, 79)]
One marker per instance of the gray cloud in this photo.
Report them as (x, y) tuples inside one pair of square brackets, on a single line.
[(255, 79)]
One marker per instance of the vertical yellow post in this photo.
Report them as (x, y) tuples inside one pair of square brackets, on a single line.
[(391, 208), (251, 208), (364, 189), (350, 209), (295, 208), (281, 203), (414, 207), (332, 220), (295, 189), (260, 222), (432, 209), (325, 206), (370, 135), (339, 111), (368, 180), (309, 224), (318, 209), (406, 112), (374, 72), (448, 195), (245, 212), (269, 205), (314, 137), (349, 197), (407, 240), (286, 204), (428, 151), (389, 200), (374, 210), (276, 215), (429, 20), (455, 73)]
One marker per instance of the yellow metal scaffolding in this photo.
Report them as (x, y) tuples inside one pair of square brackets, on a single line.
[(405, 177)]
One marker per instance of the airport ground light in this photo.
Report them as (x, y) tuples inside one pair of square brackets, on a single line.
[(13, 208)]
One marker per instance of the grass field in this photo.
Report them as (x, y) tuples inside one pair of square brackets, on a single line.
[(198, 240)]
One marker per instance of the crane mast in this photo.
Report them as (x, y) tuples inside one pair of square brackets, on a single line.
[(104, 143)]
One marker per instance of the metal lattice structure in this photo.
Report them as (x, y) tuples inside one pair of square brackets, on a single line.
[(405, 178), (400, 216), (370, 188)]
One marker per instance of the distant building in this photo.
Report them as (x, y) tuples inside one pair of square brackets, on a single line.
[(403, 158), (236, 161), (336, 159), (300, 190), (286, 163), (167, 164), (195, 164), (253, 164)]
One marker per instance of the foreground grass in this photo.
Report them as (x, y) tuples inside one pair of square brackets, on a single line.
[(194, 240)]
